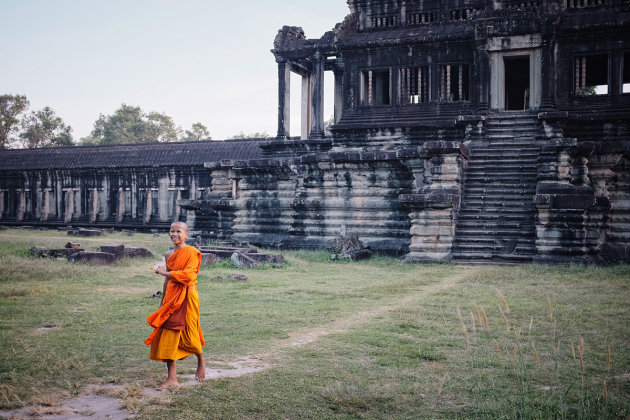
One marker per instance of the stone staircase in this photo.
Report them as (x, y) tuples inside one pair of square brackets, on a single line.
[(496, 221)]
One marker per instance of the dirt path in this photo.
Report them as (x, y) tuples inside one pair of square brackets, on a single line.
[(114, 402)]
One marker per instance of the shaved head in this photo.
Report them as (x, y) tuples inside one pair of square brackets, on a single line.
[(182, 225)]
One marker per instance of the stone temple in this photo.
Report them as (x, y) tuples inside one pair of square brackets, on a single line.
[(470, 131)]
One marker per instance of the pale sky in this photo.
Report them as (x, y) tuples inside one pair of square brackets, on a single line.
[(196, 61)]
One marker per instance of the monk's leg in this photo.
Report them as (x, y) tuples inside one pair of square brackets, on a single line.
[(201, 367), (171, 380)]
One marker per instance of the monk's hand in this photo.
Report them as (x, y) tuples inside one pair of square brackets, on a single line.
[(161, 270)]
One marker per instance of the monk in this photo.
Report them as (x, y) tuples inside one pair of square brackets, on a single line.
[(180, 273)]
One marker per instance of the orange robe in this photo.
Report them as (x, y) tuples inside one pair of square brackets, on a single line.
[(167, 344)]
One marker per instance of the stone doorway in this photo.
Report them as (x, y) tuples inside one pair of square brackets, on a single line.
[(516, 88)]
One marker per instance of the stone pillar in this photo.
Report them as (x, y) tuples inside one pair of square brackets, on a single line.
[(69, 207), (178, 210), (94, 209), (338, 90), (284, 99), (1, 204), (148, 208), (482, 74), (121, 205), (306, 107), (45, 205), (163, 204), (317, 124), (21, 206), (547, 70)]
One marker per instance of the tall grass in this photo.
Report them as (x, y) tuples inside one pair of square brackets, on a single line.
[(375, 339)]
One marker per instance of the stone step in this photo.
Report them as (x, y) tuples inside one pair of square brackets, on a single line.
[(488, 258), (494, 249), (497, 204), (504, 152), (476, 165), (461, 232)]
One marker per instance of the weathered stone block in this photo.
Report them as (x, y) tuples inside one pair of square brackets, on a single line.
[(208, 258), (97, 258), (137, 252), (242, 260), (117, 249)]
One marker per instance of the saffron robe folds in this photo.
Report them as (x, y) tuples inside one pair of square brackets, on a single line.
[(166, 344)]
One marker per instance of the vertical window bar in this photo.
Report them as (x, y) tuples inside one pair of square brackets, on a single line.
[(461, 82), (370, 87), (448, 82), (583, 72)]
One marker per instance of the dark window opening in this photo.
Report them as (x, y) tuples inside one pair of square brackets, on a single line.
[(454, 83), (516, 83), (626, 73), (375, 88), (591, 75), (414, 85)]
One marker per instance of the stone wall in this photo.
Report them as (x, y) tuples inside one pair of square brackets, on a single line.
[(117, 197)]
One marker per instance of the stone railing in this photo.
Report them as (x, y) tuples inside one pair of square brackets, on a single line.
[(582, 202), (438, 174)]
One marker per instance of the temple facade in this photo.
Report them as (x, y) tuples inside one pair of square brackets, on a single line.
[(471, 131)]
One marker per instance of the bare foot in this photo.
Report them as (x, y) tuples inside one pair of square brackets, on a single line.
[(201, 369), (167, 384)]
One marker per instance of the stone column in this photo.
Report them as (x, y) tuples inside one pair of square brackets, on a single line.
[(69, 207), (306, 107), (284, 99), (482, 73), (45, 205), (1, 203), (94, 209), (21, 206), (148, 208), (338, 90), (547, 78), (317, 127), (121, 205)]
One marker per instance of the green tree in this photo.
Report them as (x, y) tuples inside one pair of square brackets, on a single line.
[(198, 131), (129, 124), (11, 106), (243, 136), (45, 129)]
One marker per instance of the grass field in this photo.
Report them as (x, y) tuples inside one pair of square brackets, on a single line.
[(370, 340)]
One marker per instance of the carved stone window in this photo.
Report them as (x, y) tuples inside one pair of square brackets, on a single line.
[(580, 4), (454, 83), (384, 21), (590, 75), (420, 18), (459, 15), (625, 83), (414, 85), (375, 88)]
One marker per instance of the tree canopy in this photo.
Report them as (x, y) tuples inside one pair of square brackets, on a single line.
[(45, 129), (129, 124), (11, 106)]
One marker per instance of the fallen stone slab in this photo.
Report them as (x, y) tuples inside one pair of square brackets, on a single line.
[(276, 259), (89, 232), (208, 258), (137, 252), (128, 232), (117, 249), (98, 258), (243, 260), (39, 251), (72, 245), (63, 252), (237, 277)]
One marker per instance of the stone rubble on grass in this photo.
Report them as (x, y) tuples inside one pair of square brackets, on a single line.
[(349, 246)]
